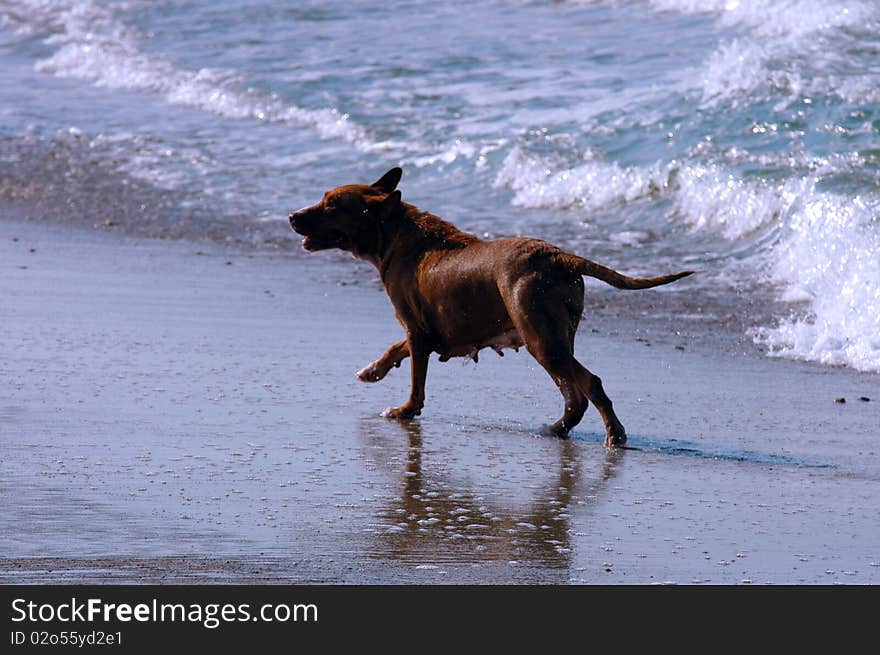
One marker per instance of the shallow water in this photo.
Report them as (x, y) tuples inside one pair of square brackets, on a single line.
[(738, 137)]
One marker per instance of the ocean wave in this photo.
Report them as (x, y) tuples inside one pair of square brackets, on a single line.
[(817, 247), (792, 48), (711, 197), (704, 196), (782, 18), (457, 150), (539, 181), (94, 45), (828, 259)]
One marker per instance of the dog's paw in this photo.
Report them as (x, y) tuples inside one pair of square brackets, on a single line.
[(615, 437), (404, 412), (369, 374), (557, 429)]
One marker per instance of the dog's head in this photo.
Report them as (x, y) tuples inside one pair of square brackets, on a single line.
[(349, 217)]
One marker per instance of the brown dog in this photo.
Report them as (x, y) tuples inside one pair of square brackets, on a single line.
[(455, 294)]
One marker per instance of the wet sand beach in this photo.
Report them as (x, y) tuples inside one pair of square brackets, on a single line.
[(181, 412)]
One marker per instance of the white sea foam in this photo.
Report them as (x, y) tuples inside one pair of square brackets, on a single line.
[(94, 45), (828, 257), (789, 46), (542, 182), (459, 149), (738, 68), (788, 18), (823, 256), (704, 196), (711, 197), (148, 159)]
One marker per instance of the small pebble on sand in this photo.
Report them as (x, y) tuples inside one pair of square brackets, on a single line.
[(864, 399), (840, 400)]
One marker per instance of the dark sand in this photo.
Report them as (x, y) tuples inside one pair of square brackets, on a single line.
[(168, 417)]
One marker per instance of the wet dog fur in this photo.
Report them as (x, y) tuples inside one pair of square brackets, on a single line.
[(456, 294)]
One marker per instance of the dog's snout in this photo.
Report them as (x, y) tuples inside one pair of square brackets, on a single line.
[(296, 218)]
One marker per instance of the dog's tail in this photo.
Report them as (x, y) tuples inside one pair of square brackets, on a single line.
[(586, 267)]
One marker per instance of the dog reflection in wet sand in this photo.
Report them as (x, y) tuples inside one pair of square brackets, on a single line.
[(455, 294), (435, 519)]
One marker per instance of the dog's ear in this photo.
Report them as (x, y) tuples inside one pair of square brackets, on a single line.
[(388, 182), (391, 202)]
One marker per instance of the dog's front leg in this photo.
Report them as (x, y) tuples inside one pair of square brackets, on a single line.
[(379, 369), (420, 353)]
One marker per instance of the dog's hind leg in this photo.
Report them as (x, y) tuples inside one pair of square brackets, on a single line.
[(576, 402), (542, 316), (591, 385), (576, 405), (578, 386), (391, 359)]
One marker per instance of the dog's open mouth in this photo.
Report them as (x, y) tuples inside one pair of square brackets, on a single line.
[(313, 243)]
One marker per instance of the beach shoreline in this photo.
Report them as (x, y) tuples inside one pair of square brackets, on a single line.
[(187, 412)]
